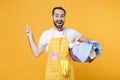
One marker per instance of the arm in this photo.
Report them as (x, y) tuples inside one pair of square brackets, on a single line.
[(83, 39), (36, 50)]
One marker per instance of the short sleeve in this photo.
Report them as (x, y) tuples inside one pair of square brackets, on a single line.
[(75, 34), (43, 38)]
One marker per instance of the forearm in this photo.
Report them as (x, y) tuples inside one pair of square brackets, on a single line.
[(35, 50), (83, 39)]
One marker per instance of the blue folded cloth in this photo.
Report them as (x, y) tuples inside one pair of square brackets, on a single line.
[(82, 51)]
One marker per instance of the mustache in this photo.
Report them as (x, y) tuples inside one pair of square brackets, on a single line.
[(59, 21)]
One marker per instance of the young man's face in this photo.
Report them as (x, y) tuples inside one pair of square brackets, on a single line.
[(58, 18)]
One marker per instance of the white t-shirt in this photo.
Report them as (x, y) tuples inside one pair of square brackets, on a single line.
[(68, 32)]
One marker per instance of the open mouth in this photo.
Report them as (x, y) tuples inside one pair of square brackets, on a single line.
[(59, 22)]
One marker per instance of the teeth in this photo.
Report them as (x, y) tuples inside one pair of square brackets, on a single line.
[(59, 22)]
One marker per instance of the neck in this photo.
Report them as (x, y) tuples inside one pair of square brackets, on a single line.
[(58, 29)]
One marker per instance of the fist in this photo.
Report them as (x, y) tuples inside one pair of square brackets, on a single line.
[(28, 30)]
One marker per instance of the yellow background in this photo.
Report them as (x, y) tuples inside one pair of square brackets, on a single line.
[(96, 19)]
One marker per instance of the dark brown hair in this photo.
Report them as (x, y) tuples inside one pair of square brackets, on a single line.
[(58, 8)]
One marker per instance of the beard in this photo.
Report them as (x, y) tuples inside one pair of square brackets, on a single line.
[(58, 24)]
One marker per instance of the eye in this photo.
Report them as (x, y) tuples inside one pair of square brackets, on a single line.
[(56, 15), (62, 16)]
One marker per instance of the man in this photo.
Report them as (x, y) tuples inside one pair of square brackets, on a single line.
[(56, 40)]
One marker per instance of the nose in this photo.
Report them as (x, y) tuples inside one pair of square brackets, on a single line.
[(59, 18)]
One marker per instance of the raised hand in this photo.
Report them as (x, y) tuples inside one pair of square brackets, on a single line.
[(36, 51), (28, 31)]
